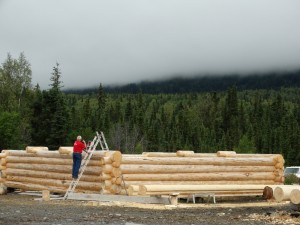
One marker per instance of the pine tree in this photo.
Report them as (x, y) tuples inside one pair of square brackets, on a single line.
[(55, 114)]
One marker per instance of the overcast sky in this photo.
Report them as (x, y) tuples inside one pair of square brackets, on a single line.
[(122, 41)]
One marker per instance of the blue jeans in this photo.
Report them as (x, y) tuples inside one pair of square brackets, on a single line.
[(76, 164)]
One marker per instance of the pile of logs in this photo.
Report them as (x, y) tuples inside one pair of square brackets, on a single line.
[(111, 173), (281, 193)]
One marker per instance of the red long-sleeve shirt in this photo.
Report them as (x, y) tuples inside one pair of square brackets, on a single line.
[(78, 147)]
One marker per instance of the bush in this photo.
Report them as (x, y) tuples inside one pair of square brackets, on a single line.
[(291, 179)]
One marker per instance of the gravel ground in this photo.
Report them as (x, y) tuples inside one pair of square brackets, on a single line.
[(17, 209)]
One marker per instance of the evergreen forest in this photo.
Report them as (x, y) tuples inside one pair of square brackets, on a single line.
[(257, 120)]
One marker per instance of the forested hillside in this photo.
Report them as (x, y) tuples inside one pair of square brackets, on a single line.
[(247, 121), (202, 84)]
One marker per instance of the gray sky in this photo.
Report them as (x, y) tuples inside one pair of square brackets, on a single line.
[(122, 41)]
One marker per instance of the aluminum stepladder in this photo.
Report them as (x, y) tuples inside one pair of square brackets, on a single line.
[(98, 139)]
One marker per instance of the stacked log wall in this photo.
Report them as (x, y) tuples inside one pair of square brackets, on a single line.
[(189, 168), (49, 170), (110, 172)]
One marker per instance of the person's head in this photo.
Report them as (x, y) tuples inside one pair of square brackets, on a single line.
[(79, 138)]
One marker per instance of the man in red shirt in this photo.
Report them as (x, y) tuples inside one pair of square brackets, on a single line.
[(79, 146)]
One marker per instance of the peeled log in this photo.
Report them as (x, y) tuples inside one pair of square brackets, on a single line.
[(37, 187), (268, 192), (92, 170), (105, 176), (92, 186), (133, 190), (3, 189), (217, 193), (107, 168), (197, 177), (295, 196), (226, 154), (3, 161), (184, 153), (146, 168), (115, 189), (50, 175), (200, 155), (267, 161), (2, 168), (3, 155), (114, 155), (65, 150), (106, 160), (196, 188), (116, 180), (282, 193), (245, 182), (116, 172), (43, 160), (159, 154), (52, 154), (34, 149), (220, 189)]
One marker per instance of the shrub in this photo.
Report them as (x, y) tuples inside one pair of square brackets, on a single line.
[(291, 179)]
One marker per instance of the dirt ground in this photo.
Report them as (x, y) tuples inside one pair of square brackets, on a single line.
[(17, 209)]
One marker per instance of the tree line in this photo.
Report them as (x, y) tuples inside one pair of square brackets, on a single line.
[(246, 121), (202, 84)]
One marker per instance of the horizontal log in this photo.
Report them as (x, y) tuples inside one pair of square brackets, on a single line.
[(198, 177), (107, 184), (107, 168), (216, 193), (106, 160), (97, 154), (49, 175), (117, 180), (44, 160), (226, 154), (146, 168), (91, 170), (105, 176), (133, 190), (115, 156), (116, 172), (201, 155), (38, 187), (173, 154), (3, 155), (34, 149), (93, 186), (267, 161), (184, 153), (159, 154), (198, 188), (3, 161), (2, 168), (65, 150), (259, 182)]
